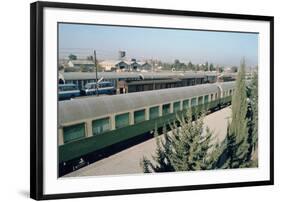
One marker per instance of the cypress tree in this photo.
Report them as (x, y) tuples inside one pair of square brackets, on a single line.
[(235, 146), (254, 106)]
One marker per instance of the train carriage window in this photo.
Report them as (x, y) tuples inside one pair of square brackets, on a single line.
[(153, 112), (206, 98), (74, 132), (122, 120), (200, 100), (100, 126), (166, 109), (139, 116), (185, 104), (193, 102), (177, 106), (68, 88)]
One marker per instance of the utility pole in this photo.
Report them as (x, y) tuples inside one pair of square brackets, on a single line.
[(95, 61)]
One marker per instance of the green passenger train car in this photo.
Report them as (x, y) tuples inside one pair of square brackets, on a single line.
[(92, 124)]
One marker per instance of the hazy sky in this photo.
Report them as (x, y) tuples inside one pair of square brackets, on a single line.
[(225, 48)]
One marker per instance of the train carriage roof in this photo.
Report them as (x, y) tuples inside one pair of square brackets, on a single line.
[(154, 81), (85, 108), (133, 75), (92, 75), (169, 75)]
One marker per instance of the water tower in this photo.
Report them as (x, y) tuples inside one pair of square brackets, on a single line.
[(121, 55)]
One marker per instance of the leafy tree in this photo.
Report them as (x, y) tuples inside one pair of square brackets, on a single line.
[(178, 65), (72, 57), (234, 69), (176, 61), (185, 149), (212, 68), (166, 66), (197, 68), (206, 66), (219, 69), (90, 57), (190, 66)]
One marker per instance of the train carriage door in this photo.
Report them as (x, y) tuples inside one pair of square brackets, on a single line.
[(122, 87)]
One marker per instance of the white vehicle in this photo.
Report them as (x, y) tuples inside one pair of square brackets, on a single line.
[(104, 87)]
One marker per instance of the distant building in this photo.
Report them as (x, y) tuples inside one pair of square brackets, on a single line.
[(121, 54), (227, 70), (114, 65), (134, 65), (124, 65), (63, 63), (81, 63), (145, 66)]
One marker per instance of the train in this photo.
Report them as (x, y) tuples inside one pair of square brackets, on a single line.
[(104, 87), (129, 82), (68, 91), (92, 126)]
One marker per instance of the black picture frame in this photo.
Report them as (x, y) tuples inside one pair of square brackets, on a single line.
[(37, 99)]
